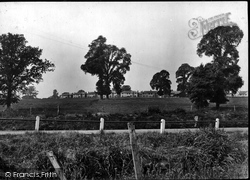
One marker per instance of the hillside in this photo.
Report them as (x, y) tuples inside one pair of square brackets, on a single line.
[(119, 105)]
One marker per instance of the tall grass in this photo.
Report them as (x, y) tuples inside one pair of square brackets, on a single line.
[(205, 154)]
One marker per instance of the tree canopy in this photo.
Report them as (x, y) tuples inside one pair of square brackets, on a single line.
[(30, 92), (222, 73), (183, 74), (126, 88), (200, 86), (20, 65), (55, 94), (108, 63), (161, 83)]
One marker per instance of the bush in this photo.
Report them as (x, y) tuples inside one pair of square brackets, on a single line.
[(154, 110)]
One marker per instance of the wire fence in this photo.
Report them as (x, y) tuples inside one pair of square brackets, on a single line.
[(67, 124)]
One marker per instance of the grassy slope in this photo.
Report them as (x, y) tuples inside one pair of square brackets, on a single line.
[(121, 105)]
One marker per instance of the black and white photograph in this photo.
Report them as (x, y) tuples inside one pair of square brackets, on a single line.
[(143, 90)]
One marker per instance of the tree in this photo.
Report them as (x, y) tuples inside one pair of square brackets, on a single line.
[(55, 94), (20, 65), (199, 90), (183, 74), (223, 72), (161, 83), (126, 88), (82, 93), (108, 63), (30, 92)]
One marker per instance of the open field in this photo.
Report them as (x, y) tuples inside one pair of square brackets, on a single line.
[(204, 154), (119, 105)]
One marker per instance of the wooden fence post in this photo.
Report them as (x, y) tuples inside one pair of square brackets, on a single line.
[(196, 118), (217, 122), (135, 152), (162, 126), (30, 111), (101, 124), (58, 110), (37, 123), (191, 107), (234, 108), (55, 164)]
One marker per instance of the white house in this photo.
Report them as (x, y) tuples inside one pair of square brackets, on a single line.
[(91, 94), (76, 95), (129, 94), (149, 94), (65, 95)]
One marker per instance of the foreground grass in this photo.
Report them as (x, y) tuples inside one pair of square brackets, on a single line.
[(206, 154)]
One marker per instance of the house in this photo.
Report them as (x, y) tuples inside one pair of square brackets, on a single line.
[(82, 94), (175, 93), (91, 94), (113, 95), (76, 95), (149, 94), (65, 95), (129, 94), (242, 94)]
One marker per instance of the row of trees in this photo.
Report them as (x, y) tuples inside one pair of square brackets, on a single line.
[(31, 93), (203, 84), (21, 65)]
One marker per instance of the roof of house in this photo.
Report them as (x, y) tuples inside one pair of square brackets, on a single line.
[(128, 92), (242, 92), (65, 93), (147, 92), (91, 93), (81, 91)]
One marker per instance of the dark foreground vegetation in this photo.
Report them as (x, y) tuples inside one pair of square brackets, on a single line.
[(205, 154)]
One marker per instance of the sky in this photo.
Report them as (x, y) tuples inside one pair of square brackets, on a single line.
[(154, 33)]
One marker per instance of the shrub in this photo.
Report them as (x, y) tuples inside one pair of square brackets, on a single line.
[(154, 110)]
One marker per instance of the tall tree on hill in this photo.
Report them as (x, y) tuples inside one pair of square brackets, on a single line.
[(223, 73), (55, 94), (161, 83), (30, 92), (183, 74), (109, 63), (20, 65)]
